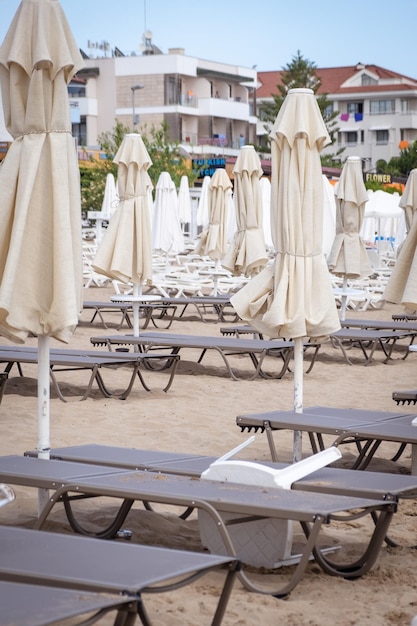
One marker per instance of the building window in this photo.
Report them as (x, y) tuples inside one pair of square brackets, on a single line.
[(362, 136), (79, 131), (379, 107), (354, 107), (351, 137), (368, 80), (382, 137)]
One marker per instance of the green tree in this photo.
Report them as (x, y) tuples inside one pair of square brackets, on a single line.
[(402, 165), (302, 73)]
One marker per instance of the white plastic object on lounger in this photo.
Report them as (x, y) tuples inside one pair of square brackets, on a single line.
[(414, 422), (266, 542)]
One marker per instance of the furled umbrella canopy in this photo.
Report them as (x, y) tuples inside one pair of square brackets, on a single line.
[(125, 252), (402, 284), (167, 236), (247, 253), (292, 297), (184, 201), (348, 256), (40, 228), (214, 238)]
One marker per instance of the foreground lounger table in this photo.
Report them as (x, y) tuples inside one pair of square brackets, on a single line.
[(311, 510), (369, 428), (92, 565)]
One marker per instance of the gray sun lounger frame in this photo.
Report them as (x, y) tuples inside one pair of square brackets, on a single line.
[(368, 429), (37, 605), (256, 349), (331, 480), (74, 480), (91, 565), (62, 360), (150, 313), (368, 340)]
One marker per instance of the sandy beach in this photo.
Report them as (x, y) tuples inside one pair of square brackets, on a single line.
[(198, 415)]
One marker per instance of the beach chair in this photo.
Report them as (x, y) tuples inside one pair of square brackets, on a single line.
[(64, 360), (256, 349), (124, 572), (366, 429), (68, 481)]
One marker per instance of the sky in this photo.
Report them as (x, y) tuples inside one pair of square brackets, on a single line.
[(245, 33)]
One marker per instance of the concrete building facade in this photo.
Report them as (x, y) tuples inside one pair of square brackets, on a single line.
[(206, 105)]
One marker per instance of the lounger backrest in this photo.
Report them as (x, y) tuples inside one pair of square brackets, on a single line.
[(249, 473)]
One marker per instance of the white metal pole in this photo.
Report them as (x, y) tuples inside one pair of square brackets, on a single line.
[(298, 394)]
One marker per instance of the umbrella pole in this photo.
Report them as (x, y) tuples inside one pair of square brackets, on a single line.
[(43, 410), (344, 299), (135, 306), (298, 394)]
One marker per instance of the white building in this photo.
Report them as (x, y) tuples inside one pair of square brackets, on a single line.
[(206, 105), (377, 109)]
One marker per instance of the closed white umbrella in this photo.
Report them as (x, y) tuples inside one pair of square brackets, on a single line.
[(292, 297), (402, 284), (40, 226), (167, 236), (247, 253), (110, 198), (348, 257), (184, 201), (214, 238), (125, 252), (202, 217)]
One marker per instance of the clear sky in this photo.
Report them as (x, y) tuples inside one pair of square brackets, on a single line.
[(247, 33)]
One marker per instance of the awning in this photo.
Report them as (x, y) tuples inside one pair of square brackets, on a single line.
[(351, 129), (380, 128)]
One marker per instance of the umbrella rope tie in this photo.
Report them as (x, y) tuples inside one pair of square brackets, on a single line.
[(318, 253), (43, 132)]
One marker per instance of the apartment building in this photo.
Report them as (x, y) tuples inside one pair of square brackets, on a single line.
[(377, 109), (207, 105)]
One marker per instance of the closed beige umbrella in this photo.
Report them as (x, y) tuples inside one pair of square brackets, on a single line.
[(292, 297), (247, 252), (402, 284), (348, 257), (125, 252), (40, 226), (213, 239)]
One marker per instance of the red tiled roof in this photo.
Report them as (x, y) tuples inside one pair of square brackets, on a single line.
[(333, 77)]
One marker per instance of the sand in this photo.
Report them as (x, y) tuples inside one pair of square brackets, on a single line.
[(198, 415)]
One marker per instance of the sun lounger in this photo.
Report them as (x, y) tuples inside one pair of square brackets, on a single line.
[(402, 326), (311, 510), (367, 341), (331, 480), (83, 564), (36, 605), (368, 429), (208, 308), (64, 360), (151, 312), (256, 349)]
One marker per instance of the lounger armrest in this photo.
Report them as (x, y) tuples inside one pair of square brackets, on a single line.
[(250, 473)]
